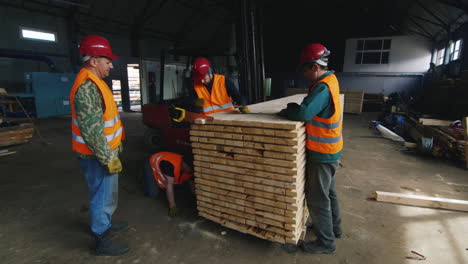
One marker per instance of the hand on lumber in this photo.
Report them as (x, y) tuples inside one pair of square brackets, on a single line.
[(283, 113), (244, 109), (173, 211), (115, 166)]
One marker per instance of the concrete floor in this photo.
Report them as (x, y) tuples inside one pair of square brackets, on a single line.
[(43, 208)]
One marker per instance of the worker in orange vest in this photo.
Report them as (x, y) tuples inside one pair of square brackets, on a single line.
[(97, 134), (213, 93), (166, 169), (321, 111)]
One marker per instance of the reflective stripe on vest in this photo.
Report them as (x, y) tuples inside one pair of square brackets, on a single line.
[(227, 106), (218, 100), (113, 128), (161, 180), (324, 134)]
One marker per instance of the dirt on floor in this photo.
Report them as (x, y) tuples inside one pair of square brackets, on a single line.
[(44, 209)]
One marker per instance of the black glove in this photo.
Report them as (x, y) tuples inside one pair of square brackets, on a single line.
[(283, 113)]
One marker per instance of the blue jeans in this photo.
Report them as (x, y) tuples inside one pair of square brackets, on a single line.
[(150, 187), (322, 201), (103, 189)]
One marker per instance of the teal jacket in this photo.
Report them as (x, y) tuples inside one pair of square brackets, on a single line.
[(317, 103)]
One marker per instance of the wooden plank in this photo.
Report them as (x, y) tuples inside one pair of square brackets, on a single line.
[(247, 151), (12, 142), (227, 213), (242, 228), (247, 178), (258, 206), (263, 174), (206, 201), (263, 115), (249, 191), (424, 201), (247, 144), (17, 131), (15, 128), (250, 198), (250, 130), (253, 159), (247, 165), (245, 184), (434, 122), (242, 137)]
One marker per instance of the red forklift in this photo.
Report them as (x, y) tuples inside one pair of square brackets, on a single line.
[(168, 121)]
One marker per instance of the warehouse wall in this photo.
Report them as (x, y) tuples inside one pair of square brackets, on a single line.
[(408, 54), (12, 70)]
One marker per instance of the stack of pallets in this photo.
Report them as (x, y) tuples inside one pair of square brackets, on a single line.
[(250, 171)]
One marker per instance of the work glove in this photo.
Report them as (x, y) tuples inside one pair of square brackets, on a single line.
[(115, 166), (244, 109), (199, 102), (283, 113), (173, 211)]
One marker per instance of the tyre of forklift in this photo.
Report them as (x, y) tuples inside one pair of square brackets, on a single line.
[(153, 139)]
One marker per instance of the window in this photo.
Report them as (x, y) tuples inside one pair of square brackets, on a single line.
[(440, 56), (35, 34), (454, 50), (373, 51)]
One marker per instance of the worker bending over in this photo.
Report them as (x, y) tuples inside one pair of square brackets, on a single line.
[(213, 93), (167, 169)]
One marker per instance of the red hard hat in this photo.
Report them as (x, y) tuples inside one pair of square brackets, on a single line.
[(200, 67), (314, 53), (94, 45)]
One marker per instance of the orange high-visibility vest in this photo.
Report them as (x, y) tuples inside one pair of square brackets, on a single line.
[(113, 128), (176, 161), (218, 100), (324, 134)]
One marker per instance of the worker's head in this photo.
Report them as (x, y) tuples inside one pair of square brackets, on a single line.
[(201, 70), (314, 61), (97, 55)]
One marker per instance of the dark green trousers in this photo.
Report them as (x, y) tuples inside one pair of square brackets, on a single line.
[(322, 201)]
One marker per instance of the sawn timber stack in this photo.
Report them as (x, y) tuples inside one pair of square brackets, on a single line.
[(250, 171)]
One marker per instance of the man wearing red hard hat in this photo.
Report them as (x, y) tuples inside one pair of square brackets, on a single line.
[(321, 111), (213, 93), (97, 134)]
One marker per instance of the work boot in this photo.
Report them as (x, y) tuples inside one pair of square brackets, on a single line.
[(118, 225), (315, 247), (106, 245)]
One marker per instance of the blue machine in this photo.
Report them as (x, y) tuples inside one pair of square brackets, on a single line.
[(51, 92)]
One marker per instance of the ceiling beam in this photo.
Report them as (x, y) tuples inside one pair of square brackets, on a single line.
[(427, 20), (457, 4), (432, 14), (419, 33), (421, 27)]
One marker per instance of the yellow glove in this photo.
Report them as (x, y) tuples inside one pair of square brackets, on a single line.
[(199, 102), (115, 166), (244, 109), (173, 211)]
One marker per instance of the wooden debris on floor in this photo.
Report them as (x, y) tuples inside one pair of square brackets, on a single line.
[(424, 201), (353, 101), (250, 171), (17, 134)]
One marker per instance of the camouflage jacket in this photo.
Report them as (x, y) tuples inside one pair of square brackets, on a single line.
[(89, 109)]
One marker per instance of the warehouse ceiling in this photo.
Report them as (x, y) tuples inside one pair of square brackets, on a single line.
[(288, 25)]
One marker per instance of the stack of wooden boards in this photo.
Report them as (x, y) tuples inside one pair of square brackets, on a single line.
[(250, 171), (14, 135), (353, 101)]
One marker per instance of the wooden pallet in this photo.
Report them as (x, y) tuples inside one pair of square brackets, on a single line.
[(250, 171), (16, 134)]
